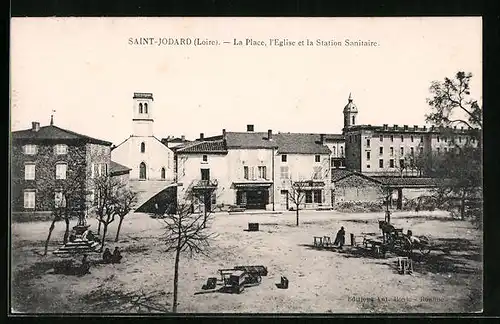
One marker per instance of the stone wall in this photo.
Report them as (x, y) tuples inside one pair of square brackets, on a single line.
[(357, 188)]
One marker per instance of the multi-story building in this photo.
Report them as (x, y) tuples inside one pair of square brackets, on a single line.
[(394, 150), (256, 169), (49, 161)]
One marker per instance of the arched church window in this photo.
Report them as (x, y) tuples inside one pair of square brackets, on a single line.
[(143, 147), (140, 108), (353, 120), (145, 108), (142, 171), (163, 173)]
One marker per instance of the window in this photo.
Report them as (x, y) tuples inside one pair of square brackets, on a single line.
[(381, 138), (381, 163), (460, 139), (421, 150), (353, 120), (262, 172), (392, 151), (284, 172), (402, 138), (402, 151), (334, 150), (317, 173), (140, 108), (245, 172), (421, 139), (367, 166), (61, 169), (368, 155), (29, 171), (367, 142), (205, 158), (29, 199), (283, 158), (59, 200), (143, 147), (145, 108), (411, 138), (392, 138), (412, 151), (317, 196), (317, 158), (163, 173), (341, 151), (381, 150), (205, 174), (61, 149), (30, 149), (391, 163), (308, 196)]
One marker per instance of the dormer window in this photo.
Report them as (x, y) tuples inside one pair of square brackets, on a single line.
[(60, 149), (29, 149)]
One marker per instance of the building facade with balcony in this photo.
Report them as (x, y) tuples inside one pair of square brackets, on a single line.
[(255, 170), (48, 163)]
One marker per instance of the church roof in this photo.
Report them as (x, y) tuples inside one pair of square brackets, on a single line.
[(350, 107)]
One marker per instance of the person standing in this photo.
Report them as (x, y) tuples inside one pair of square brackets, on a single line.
[(340, 238)]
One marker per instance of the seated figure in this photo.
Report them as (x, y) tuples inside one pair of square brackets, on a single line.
[(117, 256), (107, 256)]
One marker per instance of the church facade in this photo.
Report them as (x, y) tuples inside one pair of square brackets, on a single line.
[(146, 156)]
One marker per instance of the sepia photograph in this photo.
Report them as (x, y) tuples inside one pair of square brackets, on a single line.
[(188, 165)]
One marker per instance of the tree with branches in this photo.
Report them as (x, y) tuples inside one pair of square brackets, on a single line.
[(185, 231), (297, 196), (125, 201)]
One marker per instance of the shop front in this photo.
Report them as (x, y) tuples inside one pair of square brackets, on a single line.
[(252, 195)]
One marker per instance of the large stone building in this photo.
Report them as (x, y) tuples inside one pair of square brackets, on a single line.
[(395, 150), (255, 170), (49, 161), (147, 157)]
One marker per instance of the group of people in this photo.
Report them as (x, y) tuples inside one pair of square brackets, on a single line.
[(114, 257)]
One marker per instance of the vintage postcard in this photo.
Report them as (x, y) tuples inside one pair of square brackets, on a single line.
[(246, 165)]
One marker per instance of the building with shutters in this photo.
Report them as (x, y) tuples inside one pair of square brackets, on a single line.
[(47, 161)]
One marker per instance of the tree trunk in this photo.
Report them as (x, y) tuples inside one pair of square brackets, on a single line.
[(119, 228), (462, 207), (176, 278), (205, 216), (50, 233), (99, 226), (104, 231), (66, 233), (297, 212)]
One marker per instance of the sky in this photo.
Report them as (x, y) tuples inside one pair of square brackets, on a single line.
[(86, 70)]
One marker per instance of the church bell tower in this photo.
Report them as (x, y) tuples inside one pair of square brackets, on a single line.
[(350, 113), (143, 118)]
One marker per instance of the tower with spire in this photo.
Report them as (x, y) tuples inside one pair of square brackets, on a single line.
[(350, 113)]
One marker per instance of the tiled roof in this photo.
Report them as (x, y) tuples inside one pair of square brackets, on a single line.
[(334, 137), (203, 147), (52, 132), (300, 143), (248, 140), (339, 174), (118, 168), (410, 181)]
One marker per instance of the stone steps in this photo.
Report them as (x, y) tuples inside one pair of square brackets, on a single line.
[(79, 246)]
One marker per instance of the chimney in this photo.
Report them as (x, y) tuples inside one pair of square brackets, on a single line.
[(385, 126), (183, 137), (395, 126), (322, 138), (35, 126), (270, 134), (202, 136), (406, 127), (224, 134), (249, 128)]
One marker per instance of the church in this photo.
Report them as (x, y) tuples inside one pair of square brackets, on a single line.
[(147, 157)]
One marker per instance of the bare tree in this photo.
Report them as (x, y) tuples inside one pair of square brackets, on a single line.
[(185, 232), (125, 201), (296, 196)]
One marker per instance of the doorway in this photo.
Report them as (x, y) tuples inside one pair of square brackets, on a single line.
[(142, 171)]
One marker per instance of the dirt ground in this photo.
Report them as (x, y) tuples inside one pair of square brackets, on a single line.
[(449, 279)]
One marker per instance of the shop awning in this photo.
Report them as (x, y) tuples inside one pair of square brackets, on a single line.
[(252, 184)]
